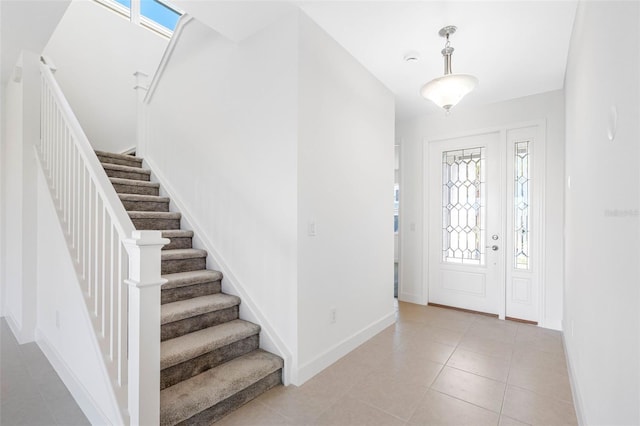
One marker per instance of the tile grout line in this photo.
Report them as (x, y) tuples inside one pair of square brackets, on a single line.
[(504, 395), (465, 401)]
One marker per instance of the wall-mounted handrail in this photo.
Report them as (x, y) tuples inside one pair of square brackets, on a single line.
[(166, 56)]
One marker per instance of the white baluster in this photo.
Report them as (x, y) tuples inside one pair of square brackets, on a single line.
[(95, 223), (144, 284), (122, 315)]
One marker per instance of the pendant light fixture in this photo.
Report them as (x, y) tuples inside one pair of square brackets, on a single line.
[(448, 90)]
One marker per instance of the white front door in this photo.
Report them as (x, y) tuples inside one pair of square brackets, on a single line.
[(466, 251)]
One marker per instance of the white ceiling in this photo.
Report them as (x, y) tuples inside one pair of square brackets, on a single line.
[(515, 48), (26, 25)]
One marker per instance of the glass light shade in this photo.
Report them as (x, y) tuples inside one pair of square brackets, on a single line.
[(448, 90)]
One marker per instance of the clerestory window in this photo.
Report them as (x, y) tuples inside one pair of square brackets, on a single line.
[(157, 15)]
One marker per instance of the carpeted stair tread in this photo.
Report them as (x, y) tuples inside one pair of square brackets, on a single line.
[(183, 279), (154, 215), (176, 311), (133, 182), (183, 348), (140, 197), (210, 360), (177, 233), (180, 239), (179, 254), (118, 156), (121, 168), (185, 399)]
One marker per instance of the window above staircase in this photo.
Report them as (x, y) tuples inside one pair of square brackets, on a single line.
[(157, 15)]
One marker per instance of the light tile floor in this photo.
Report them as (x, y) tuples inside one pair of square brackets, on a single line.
[(31, 392), (433, 367)]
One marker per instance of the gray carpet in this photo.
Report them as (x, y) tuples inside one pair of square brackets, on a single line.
[(210, 360)]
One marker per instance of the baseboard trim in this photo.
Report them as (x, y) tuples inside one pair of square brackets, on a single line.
[(325, 359), (13, 325), (17, 330), (83, 398), (575, 391)]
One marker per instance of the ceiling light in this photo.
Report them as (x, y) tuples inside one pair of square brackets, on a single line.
[(448, 90)]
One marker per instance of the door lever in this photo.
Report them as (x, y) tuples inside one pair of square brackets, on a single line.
[(493, 247)]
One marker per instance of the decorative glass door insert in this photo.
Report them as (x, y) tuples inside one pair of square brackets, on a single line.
[(463, 204), (521, 204)]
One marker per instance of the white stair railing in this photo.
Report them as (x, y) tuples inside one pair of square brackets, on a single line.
[(118, 267)]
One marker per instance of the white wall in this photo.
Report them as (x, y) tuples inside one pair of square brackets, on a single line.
[(283, 128), (64, 330), (21, 133), (96, 52), (602, 292), (345, 187), (412, 134), (231, 158), (12, 196)]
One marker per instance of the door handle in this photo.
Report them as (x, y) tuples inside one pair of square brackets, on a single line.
[(493, 247)]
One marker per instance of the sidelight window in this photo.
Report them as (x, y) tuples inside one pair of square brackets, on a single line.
[(522, 203)]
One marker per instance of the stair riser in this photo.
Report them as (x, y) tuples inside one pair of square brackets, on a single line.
[(179, 243), (183, 371), (135, 189), (145, 206), (234, 402), (188, 292), (127, 175), (121, 162), (183, 265), (156, 223), (189, 325)]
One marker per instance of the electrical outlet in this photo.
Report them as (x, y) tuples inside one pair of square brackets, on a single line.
[(332, 315), (311, 229)]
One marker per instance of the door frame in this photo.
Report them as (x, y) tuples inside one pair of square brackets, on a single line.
[(538, 200), (398, 235)]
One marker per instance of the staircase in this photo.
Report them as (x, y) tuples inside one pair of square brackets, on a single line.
[(210, 361)]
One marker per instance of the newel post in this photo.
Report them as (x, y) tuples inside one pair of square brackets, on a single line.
[(141, 87), (144, 283)]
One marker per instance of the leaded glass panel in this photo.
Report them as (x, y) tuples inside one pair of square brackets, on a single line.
[(463, 201), (522, 203)]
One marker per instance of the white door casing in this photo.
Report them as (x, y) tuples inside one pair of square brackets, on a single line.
[(493, 282)]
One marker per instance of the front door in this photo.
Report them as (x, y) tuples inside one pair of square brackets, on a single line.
[(466, 252)]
